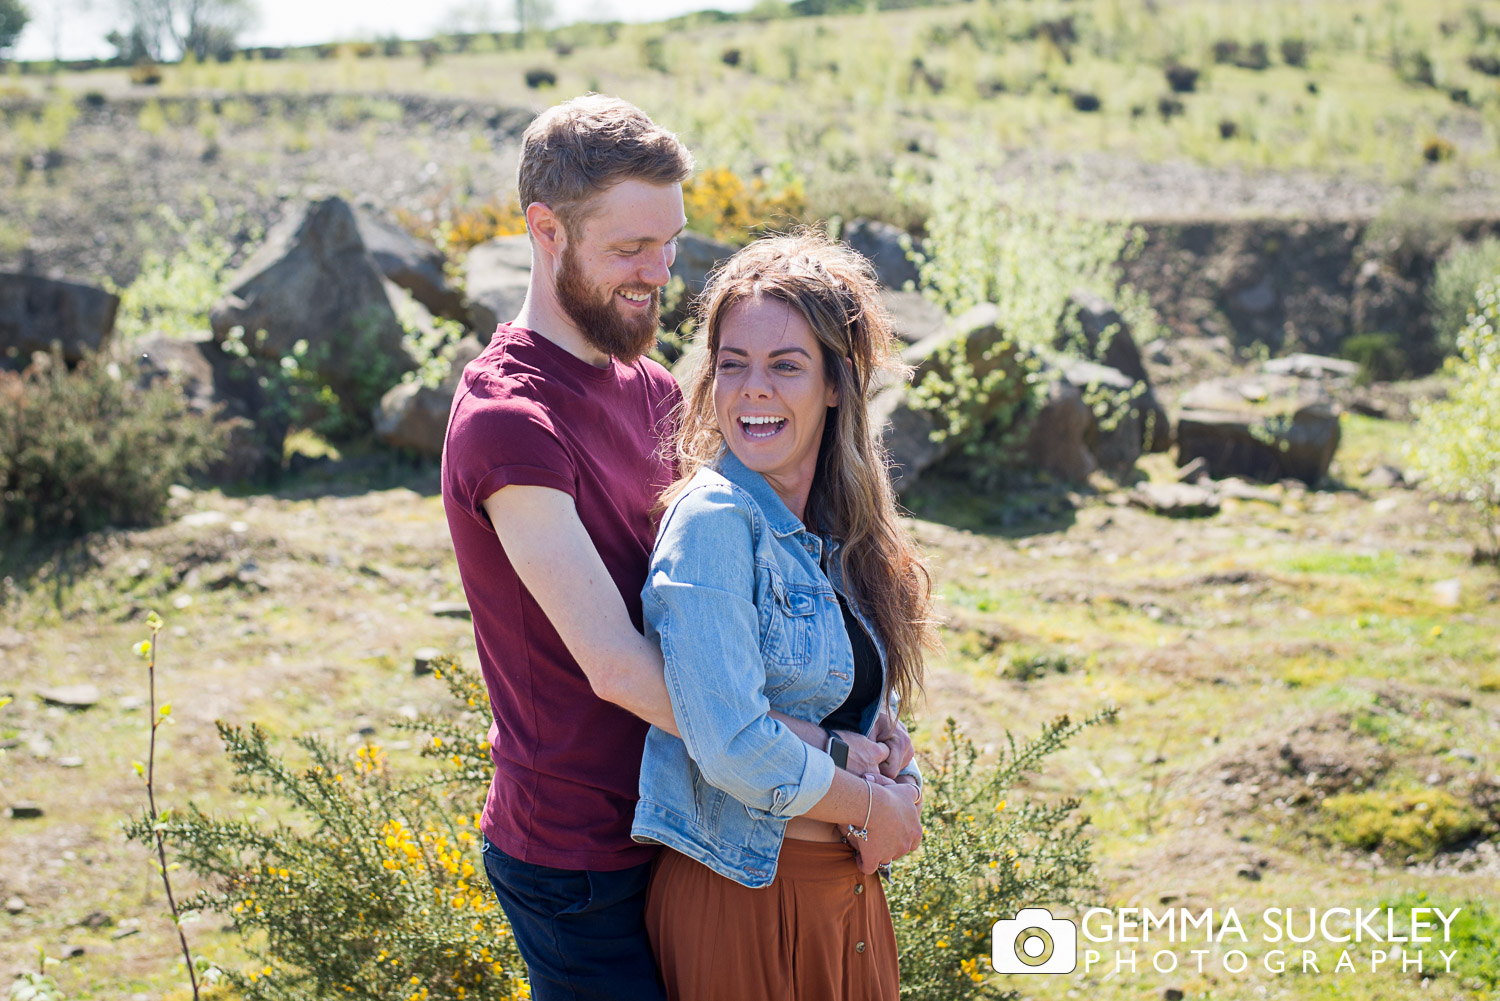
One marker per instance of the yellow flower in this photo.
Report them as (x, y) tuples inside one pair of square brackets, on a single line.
[(1000, 807)]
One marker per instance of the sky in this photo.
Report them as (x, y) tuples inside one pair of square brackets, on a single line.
[(75, 29)]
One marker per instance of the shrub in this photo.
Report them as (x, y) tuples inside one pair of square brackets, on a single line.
[(468, 227), (1182, 79), (1294, 51), (381, 893), (1083, 101), (1458, 275), (84, 448), (1226, 51), (720, 204), (1485, 62), (1456, 443), (172, 294), (730, 57), (1228, 128), (1380, 356), (1168, 106), (538, 77), (145, 75), (1437, 149), (1255, 57)]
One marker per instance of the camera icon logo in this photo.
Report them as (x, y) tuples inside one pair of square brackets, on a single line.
[(1034, 942)]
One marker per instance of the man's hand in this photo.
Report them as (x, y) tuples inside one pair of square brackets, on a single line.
[(892, 733)]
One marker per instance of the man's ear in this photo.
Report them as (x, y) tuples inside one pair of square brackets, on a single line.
[(546, 229)]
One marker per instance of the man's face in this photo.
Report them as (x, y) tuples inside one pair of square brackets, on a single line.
[(615, 264)]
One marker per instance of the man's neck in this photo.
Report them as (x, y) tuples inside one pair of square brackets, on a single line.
[(542, 314)]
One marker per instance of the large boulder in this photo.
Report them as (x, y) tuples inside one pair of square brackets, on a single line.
[(1268, 428), (913, 315), (414, 417), (946, 366), (697, 256), (1117, 417), (211, 383), (885, 245), (1058, 440), (314, 280), (1092, 328), (497, 274), (413, 264), (37, 312)]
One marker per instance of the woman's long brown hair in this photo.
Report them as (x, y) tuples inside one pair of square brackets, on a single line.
[(835, 290)]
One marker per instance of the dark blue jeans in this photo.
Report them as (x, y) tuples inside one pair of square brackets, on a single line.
[(582, 934)]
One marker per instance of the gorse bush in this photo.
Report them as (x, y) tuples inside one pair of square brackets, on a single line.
[(376, 890), (84, 448), (1456, 445), (720, 204), (982, 860)]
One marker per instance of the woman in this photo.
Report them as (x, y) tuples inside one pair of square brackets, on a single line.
[(781, 579)]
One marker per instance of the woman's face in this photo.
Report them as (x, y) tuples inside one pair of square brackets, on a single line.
[(771, 394)]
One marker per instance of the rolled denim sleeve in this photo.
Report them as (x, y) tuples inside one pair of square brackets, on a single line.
[(911, 766), (699, 599)]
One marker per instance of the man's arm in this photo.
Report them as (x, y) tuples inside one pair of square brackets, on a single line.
[(558, 563)]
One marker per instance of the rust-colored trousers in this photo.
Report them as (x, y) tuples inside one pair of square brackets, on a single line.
[(820, 932)]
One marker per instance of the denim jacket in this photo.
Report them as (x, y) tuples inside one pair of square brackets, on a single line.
[(748, 622)]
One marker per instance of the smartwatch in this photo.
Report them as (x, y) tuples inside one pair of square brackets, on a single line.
[(838, 750)]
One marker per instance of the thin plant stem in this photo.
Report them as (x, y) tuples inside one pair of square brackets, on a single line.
[(161, 837)]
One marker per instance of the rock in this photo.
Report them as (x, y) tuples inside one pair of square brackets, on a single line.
[(213, 382), (1172, 994), (36, 312), (1384, 477), (96, 920), (1176, 500), (1102, 336), (1269, 429), (202, 519), (1447, 592), (496, 275), (313, 280), (914, 315), (1194, 471), (25, 810), (1309, 366), (1056, 442), (15, 905), (1238, 489), (1117, 405), (908, 427), (450, 610), (70, 951), (71, 761), (10, 639), (1249, 872), (422, 659), (413, 264), (414, 417), (83, 696), (697, 256), (883, 243)]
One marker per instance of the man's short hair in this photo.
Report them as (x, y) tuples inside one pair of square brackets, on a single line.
[(577, 149)]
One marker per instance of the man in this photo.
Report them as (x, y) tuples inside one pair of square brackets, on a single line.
[(551, 469)]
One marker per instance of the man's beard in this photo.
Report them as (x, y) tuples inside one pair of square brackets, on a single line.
[(602, 324)]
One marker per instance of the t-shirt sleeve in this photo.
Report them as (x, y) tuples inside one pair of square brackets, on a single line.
[(498, 442)]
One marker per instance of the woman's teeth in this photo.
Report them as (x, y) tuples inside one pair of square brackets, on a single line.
[(762, 427)]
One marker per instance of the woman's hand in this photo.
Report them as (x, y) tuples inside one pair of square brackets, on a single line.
[(891, 733), (895, 826), (865, 755)]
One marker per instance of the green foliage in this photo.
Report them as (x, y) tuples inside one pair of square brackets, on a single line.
[(1459, 274), (86, 448), (1456, 445), (172, 293), (378, 890), (1419, 823), (982, 860), (46, 132), (13, 18), (1474, 931), (1380, 356)]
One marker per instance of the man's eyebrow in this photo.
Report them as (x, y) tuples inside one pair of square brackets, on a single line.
[(779, 351)]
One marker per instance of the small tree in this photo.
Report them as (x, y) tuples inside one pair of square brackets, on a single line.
[(202, 28), (13, 19), (1457, 440)]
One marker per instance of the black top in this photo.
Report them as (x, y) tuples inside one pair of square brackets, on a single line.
[(867, 676)]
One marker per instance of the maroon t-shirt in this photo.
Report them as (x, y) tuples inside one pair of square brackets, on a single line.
[(567, 763)]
